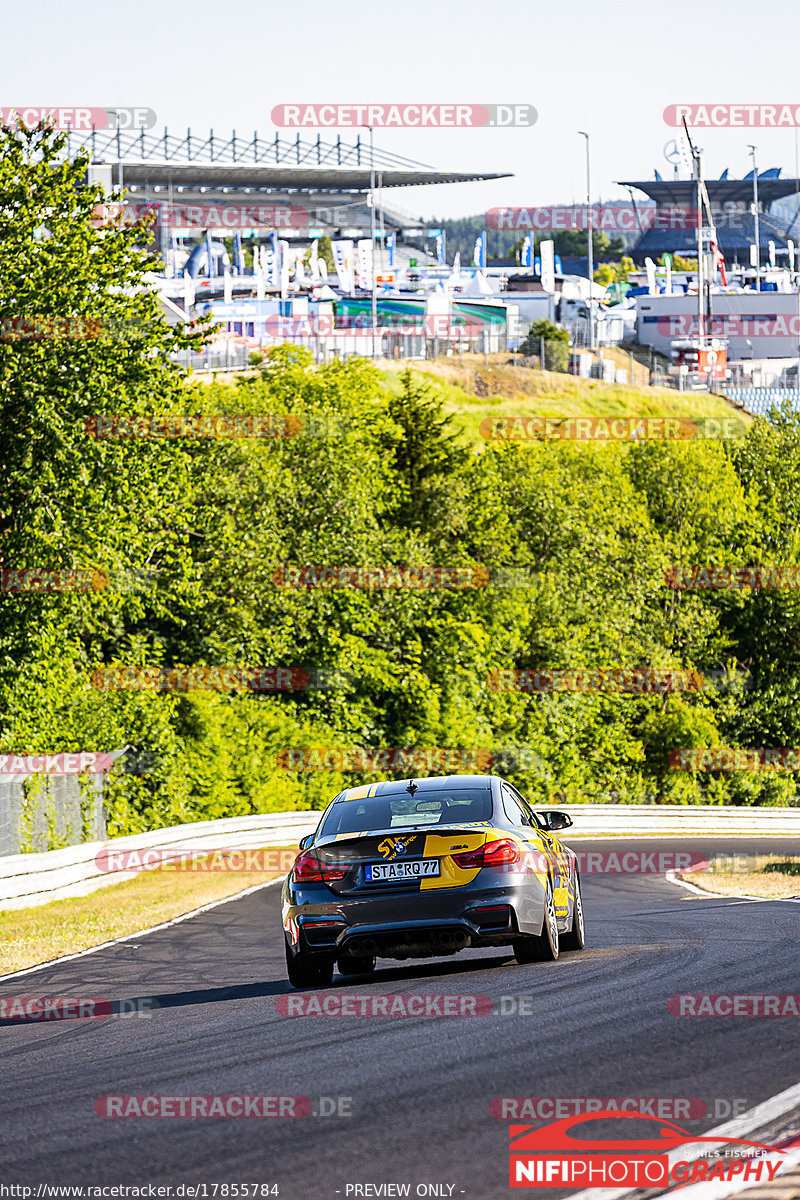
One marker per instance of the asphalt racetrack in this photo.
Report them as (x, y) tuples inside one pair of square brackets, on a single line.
[(411, 1095)]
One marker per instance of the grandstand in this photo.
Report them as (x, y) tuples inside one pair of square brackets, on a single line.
[(760, 401), (328, 181), (730, 201)]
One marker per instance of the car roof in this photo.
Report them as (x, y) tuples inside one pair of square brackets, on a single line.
[(433, 783)]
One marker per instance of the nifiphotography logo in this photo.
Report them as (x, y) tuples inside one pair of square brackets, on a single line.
[(550, 1156)]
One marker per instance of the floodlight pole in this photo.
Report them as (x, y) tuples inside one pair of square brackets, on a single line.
[(372, 234), (752, 150), (589, 239)]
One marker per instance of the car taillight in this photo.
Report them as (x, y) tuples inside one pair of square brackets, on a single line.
[(492, 854), (308, 869)]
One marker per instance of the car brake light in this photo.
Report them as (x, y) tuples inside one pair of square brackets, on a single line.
[(491, 854), (308, 869)]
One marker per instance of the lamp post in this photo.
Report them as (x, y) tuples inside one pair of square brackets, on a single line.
[(752, 150), (372, 233), (589, 239)]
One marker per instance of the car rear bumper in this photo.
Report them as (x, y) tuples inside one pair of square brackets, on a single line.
[(408, 926)]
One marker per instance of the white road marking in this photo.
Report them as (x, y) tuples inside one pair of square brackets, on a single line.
[(129, 937), (719, 1189), (672, 878), (769, 1110)]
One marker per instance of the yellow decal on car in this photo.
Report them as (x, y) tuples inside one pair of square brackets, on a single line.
[(358, 793), (438, 845), (391, 847)]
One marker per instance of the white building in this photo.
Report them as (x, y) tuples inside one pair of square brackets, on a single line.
[(757, 325)]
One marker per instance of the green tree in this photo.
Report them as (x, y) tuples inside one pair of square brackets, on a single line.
[(682, 264), (82, 336), (426, 458), (324, 251), (608, 274), (554, 340)]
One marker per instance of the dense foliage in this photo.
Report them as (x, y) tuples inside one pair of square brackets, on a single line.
[(192, 533)]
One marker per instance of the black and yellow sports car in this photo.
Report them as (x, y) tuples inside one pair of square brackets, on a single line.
[(426, 867)]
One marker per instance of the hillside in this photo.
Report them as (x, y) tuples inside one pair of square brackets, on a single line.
[(472, 391)]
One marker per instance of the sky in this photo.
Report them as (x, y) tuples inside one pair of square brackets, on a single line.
[(609, 68)]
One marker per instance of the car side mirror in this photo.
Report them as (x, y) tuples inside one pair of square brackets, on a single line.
[(308, 839), (556, 820)]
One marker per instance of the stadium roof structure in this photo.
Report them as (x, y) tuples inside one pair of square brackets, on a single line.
[(730, 201), (288, 164), (720, 191)]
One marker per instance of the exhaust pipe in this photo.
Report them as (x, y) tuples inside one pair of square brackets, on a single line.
[(362, 947)]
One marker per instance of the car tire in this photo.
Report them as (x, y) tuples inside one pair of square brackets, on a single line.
[(308, 970), (575, 937), (352, 964), (544, 947)]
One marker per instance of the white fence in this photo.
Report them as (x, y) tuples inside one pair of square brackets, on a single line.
[(31, 879)]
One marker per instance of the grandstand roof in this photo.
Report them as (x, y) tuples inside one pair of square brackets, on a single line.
[(720, 191), (289, 164)]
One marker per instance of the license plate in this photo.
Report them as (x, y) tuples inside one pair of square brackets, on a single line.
[(420, 868)]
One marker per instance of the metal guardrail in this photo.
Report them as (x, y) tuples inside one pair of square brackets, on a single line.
[(32, 879), (647, 820)]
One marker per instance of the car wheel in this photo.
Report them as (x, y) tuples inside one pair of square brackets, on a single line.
[(575, 938), (308, 970), (543, 948), (352, 964)]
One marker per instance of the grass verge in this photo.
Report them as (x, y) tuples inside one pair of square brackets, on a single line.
[(768, 876), (30, 936), (472, 391)]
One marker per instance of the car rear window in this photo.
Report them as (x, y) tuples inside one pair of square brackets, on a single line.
[(400, 810)]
